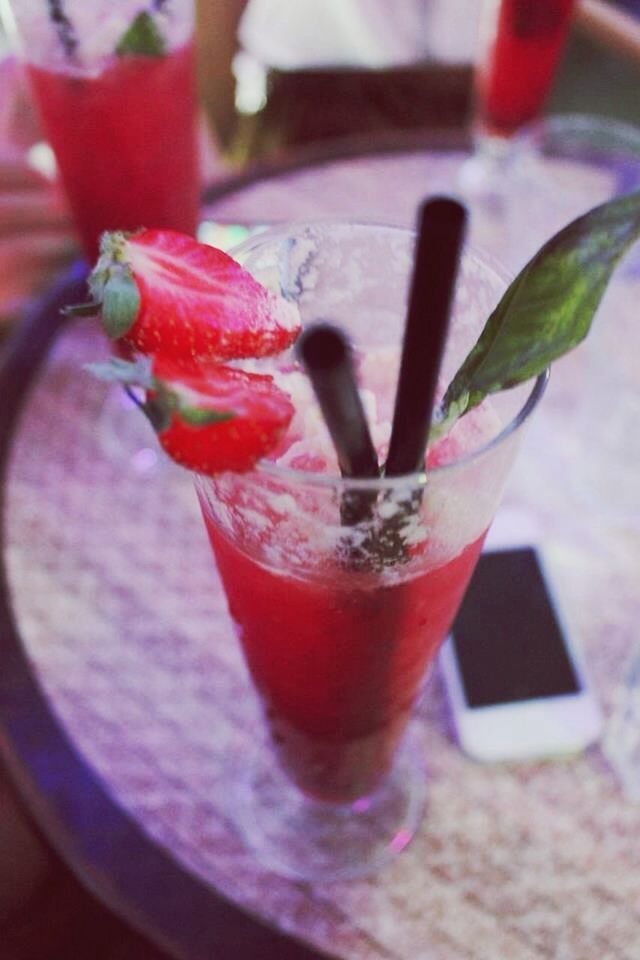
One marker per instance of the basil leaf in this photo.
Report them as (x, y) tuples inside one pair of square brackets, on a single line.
[(142, 38), (548, 309)]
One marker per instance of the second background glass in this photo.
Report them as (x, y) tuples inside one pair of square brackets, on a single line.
[(115, 86)]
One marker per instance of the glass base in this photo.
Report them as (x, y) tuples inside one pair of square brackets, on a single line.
[(126, 436), (482, 174), (313, 840)]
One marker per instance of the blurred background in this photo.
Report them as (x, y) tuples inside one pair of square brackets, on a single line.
[(276, 79)]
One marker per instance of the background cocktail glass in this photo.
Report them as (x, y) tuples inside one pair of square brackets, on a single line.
[(121, 123), (521, 42), (339, 630), (122, 126)]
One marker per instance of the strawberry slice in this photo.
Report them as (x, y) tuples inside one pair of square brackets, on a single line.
[(211, 418), (162, 293), (216, 418)]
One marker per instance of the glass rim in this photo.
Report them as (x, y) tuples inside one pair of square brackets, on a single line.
[(285, 228), (589, 128), (269, 468)]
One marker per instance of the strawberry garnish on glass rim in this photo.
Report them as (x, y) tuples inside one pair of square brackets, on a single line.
[(209, 419), (162, 293), (177, 310)]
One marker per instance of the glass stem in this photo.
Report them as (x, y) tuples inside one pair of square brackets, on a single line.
[(482, 175)]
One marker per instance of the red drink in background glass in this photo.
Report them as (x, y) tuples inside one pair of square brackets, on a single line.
[(517, 69), (114, 81), (125, 142)]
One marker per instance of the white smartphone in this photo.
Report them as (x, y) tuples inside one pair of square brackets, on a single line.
[(517, 687)]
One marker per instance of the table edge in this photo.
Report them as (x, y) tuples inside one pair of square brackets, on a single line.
[(335, 151)]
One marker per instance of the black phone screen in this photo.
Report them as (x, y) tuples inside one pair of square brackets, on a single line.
[(506, 637)]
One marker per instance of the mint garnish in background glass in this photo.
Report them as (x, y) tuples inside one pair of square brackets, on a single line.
[(143, 38)]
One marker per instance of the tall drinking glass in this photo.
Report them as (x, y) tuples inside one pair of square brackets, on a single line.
[(342, 591), (114, 83), (521, 43)]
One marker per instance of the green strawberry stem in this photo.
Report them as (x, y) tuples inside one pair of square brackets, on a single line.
[(89, 309), (113, 287)]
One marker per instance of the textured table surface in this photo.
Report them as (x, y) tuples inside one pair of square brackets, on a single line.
[(123, 619)]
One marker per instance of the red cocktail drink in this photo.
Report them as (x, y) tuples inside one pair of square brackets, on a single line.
[(115, 87), (517, 70), (339, 620), (125, 143), (338, 659)]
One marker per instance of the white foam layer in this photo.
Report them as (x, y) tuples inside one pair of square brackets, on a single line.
[(308, 445), (98, 25), (454, 509)]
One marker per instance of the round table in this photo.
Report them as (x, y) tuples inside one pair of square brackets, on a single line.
[(123, 693)]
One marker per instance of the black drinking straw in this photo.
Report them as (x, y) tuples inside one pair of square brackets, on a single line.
[(327, 358), (326, 355), (64, 27), (441, 229)]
